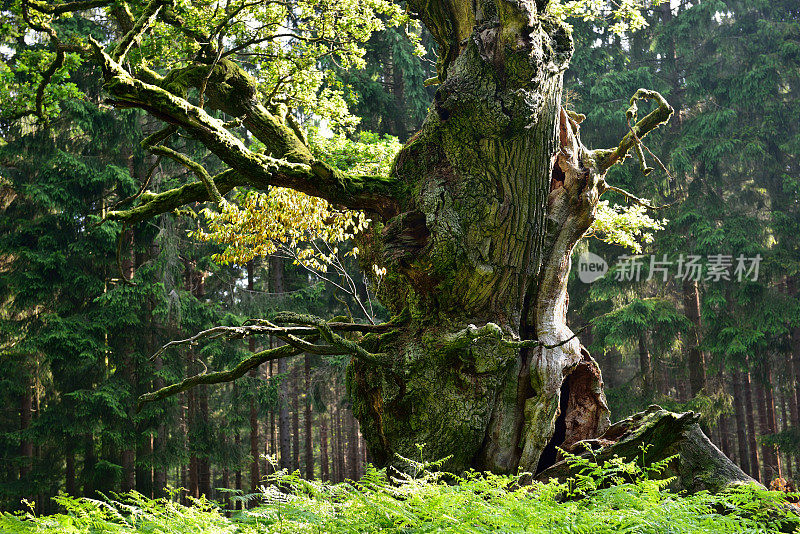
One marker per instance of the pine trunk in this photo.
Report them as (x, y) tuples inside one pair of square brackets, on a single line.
[(308, 419), (645, 365), (771, 458), (255, 475), (295, 395), (323, 447), (697, 360), (25, 412), (752, 443)]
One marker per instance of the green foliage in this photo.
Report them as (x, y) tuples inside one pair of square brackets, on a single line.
[(612, 497)]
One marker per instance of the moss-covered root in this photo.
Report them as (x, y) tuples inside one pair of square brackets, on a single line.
[(655, 435)]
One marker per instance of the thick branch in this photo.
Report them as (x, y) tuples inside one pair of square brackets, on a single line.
[(607, 158), (327, 333), (219, 377), (196, 168), (58, 9), (142, 23), (370, 193)]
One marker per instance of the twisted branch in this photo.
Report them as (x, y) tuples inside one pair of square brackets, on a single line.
[(219, 377)]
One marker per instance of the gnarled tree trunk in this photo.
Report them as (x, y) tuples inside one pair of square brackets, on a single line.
[(475, 227), (478, 257)]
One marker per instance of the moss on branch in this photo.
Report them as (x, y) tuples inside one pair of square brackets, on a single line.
[(219, 377), (606, 158)]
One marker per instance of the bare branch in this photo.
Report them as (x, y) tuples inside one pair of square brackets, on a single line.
[(607, 158), (637, 200), (219, 377)]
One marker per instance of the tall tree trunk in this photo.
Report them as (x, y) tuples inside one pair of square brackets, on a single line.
[(352, 446), (308, 419), (752, 443), (203, 461), (786, 462), (255, 475), (741, 423), (338, 456), (697, 360), (89, 464), (724, 423), (284, 422), (191, 423), (323, 447), (295, 396), (130, 435), (645, 365), (25, 412), (273, 431), (772, 466), (160, 475), (70, 485)]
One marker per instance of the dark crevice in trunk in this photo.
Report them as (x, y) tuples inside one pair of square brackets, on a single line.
[(550, 453)]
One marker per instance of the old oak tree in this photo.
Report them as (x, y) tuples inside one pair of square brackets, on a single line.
[(475, 224)]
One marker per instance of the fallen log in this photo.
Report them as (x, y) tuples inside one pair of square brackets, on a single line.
[(653, 436)]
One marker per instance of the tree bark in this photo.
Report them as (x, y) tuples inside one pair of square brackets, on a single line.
[(284, 421), (645, 365), (741, 422), (308, 419), (323, 447), (25, 412), (767, 422), (755, 466), (697, 360), (255, 475), (699, 465), (295, 396)]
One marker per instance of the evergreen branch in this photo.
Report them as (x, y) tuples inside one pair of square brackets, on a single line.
[(218, 377)]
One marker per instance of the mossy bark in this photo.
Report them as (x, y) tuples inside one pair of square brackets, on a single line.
[(654, 436), (500, 191)]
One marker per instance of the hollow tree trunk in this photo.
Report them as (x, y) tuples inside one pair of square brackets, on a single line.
[(479, 254)]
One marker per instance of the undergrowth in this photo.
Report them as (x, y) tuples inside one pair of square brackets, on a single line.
[(612, 497)]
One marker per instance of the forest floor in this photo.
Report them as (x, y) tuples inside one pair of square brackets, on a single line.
[(610, 498)]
